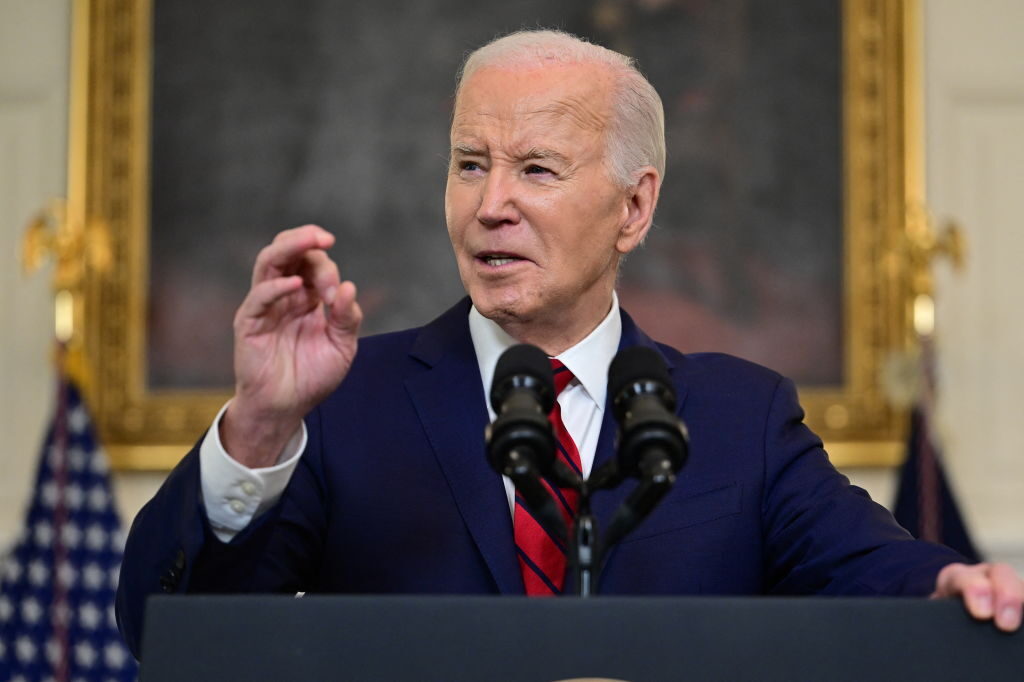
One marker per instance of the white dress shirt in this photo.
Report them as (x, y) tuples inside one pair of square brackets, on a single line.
[(234, 494)]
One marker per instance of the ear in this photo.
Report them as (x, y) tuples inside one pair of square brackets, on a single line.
[(639, 210)]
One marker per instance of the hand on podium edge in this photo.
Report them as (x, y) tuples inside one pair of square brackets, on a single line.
[(989, 591), (296, 335)]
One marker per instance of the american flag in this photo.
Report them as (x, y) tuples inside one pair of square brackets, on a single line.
[(925, 504), (58, 582)]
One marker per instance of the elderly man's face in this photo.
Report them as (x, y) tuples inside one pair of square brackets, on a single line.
[(533, 215)]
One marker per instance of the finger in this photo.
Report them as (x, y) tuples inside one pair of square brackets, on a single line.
[(265, 294), (345, 313), (1008, 592), (975, 587), (971, 584), (284, 255), (319, 272)]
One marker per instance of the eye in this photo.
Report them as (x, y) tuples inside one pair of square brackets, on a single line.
[(534, 169), (469, 166)]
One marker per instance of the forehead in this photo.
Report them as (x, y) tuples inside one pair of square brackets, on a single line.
[(563, 98)]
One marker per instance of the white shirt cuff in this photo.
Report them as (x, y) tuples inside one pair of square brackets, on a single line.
[(234, 494)]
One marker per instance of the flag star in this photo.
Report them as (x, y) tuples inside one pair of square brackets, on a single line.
[(78, 419), (67, 575), (31, 611), (54, 457), (95, 537), (71, 534), (25, 649), (85, 654), (44, 534), (115, 655), (77, 458), (6, 610), (73, 496), (99, 498), (98, 463), (92, 576), (117, 540), (48, 494), (38, 572), (89, 616)]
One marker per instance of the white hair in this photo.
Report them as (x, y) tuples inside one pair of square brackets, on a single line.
[(636, 136)]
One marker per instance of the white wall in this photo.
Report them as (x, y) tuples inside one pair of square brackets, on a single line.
[(975, 138), (34, 49), (974, 73)]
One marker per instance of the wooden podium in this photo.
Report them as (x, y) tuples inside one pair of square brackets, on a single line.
[(509, 638)]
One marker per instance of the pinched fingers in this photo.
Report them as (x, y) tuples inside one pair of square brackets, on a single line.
[(320, 273), (286, 255)]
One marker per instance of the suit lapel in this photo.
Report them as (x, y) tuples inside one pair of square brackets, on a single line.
[(449, 399)]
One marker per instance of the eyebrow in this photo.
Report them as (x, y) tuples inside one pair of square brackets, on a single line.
[(532, 153), (467, 150), (540, 153)]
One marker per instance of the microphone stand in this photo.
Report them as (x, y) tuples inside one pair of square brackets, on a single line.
[(584, 546), (587, 549)]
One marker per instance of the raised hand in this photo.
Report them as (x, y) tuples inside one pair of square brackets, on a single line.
[(295, 338)]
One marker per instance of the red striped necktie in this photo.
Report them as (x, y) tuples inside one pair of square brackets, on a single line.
[(542, 558)]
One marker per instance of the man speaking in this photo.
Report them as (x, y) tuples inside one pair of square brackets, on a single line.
[(337, 471)]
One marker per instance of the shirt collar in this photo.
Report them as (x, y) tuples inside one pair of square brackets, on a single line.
[(588, 360)]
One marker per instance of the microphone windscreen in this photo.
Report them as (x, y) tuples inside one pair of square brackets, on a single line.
[(522, 361), (634, 364)]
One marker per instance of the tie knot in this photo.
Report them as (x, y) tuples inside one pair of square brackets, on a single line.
[(562, 375)]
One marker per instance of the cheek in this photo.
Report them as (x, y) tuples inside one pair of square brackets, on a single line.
[(457, 209)]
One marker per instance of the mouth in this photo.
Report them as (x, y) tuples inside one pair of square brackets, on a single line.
[(496, 259)]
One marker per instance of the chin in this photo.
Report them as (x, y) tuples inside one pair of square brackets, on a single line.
[(500, 308)]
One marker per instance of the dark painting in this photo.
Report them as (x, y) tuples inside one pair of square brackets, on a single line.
[(269, 115)]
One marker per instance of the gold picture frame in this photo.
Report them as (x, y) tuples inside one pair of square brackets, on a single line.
[(109, 186)]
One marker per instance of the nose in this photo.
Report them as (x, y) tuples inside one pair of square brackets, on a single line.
[(497, 200)]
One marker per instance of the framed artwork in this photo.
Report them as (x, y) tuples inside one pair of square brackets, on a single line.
[(200, 130)]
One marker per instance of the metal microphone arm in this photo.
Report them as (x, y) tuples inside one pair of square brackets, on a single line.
[(656, 479)]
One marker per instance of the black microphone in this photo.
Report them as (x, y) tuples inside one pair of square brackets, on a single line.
[(520, 441), (653, 441)]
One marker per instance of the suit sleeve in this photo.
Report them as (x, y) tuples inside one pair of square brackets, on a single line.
[(171, 548), (824, 535)]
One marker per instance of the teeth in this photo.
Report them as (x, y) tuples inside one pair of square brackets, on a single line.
[(499, 260)]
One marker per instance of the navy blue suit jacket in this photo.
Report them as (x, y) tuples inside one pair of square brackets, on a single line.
[(394, 494)]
